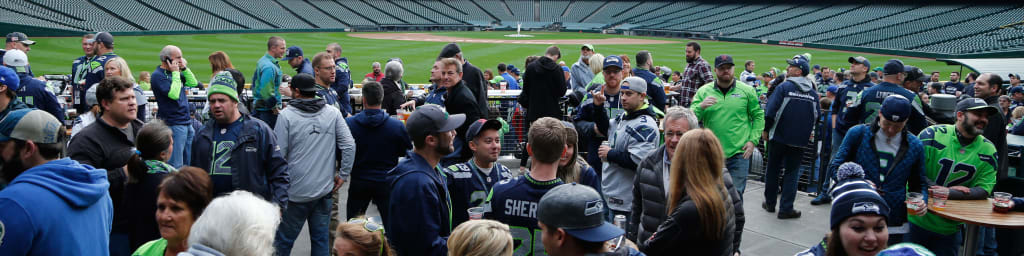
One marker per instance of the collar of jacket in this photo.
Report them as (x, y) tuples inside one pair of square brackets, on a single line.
[(644, 110), (247, 130)]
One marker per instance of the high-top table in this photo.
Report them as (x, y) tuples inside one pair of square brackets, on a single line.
[(976, 213)]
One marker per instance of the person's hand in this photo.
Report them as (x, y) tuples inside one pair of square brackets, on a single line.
[(598, 98), (408, 104), (603, 151), (183, 64), (934, 188), (127, 175), (174, 66), (709, 101), (919, 205), (961, 189), (275, 111), (338, 181), (748, 150)]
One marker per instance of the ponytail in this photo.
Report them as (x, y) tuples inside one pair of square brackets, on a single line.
[(153, 139), (136, 168)]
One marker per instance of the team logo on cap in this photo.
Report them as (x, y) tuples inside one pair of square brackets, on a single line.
[(895, 117), (613, 60), (863, 207), (593, 207)]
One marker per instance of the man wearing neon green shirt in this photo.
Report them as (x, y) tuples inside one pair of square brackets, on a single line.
[(961, 161), (731, 110)]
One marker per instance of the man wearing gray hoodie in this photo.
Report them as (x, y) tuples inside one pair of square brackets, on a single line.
[(311, 137)]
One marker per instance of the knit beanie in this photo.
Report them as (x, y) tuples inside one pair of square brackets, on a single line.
[(223, 83), (854, 195)]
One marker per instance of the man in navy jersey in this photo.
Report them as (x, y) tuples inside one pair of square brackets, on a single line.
[(514, 202), (469, 182), (599, 105), (32, 91), (102, 51)]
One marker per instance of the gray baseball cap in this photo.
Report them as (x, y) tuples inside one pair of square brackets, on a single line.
[(430, 119), (634, 83), (578, 210)]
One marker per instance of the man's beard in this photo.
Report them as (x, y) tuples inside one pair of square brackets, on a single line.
[(443, 148), (690, 59), (11, 169), (968, 126)]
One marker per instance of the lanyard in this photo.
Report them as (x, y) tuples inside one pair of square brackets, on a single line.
[(479, 174), (447, 197)]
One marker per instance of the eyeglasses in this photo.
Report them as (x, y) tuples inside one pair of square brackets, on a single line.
[(370, 226)]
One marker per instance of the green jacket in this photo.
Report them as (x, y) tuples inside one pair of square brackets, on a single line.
[(735, 119)]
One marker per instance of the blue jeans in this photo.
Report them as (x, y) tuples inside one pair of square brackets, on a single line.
[(739, 168), (941, 245), (782, 157), (318, 213), (183, 135), (986, 241), (266, 116)]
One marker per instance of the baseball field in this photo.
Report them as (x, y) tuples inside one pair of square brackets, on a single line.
[(53, 55)]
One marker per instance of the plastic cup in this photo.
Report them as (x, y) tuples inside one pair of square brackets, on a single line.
[(476, 213), (939, 197), (915, 203), (504, 86), (1001, 202), (403, 114)]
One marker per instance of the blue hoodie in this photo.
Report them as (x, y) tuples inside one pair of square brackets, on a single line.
[(380, 141), (423, 222), (343, 82), (57, 208), (791, 112)]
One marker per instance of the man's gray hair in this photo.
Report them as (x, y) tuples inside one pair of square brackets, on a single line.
[(334, 47), (393, 70), (239, 223), (677, 112), (166, 52), (375, 64)]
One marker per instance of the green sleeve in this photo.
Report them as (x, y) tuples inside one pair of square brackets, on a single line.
[(698, 97), (986, 178), (190, 79), (756, 116), (175, 92)]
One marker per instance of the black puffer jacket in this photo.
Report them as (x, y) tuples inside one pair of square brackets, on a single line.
[(649, 199), (682, 232)]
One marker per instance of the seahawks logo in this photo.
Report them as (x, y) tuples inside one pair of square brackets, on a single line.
[(865, 207), (593, 207)]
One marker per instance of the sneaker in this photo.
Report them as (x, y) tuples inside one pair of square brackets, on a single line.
[(764, 206), (793, 214), (821, 199)]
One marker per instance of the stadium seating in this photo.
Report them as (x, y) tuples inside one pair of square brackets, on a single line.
[(940, 28)]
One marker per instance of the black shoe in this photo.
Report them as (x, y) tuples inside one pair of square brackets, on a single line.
[(821, 199), (793, 214), (764, 206)]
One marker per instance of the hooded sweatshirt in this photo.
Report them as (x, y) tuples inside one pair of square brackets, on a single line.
[(791, 112), (380, 141), (311, 137), (57, 208), (543, 85)]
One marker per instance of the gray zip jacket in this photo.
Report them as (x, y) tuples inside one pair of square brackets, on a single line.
[(311, 137), (634, 135)]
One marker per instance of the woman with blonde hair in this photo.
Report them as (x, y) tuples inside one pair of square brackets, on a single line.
[(361, 236), (119, 67), (479, 238), (597, 66), (700, 211)]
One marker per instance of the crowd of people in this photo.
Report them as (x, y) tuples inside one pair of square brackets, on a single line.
[(647, 161)]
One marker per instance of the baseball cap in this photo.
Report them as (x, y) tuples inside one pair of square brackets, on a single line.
[(565, 68), (103, 37), (577, 209), (612, 61), (430, 119), (19, 37), (723, 59), (800, 63), (816, 66), (915, 73), (30, 124), (588, 46), (873, 75), (1016, 89), (223, 83), (969, 104), (303, 82), (893, 67), (293, 51), (860, 60), (635, 84), (16, 59), (9, 78), (833, 88), (480, 125), (895, 108), (854, 196), (876, 69), (450, 50)]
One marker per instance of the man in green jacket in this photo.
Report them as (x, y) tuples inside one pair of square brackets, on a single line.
[(731, 110), (266, 82)]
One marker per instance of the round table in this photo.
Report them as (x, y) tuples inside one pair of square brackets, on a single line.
[(977, 213)]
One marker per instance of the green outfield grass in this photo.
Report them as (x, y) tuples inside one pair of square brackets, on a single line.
[(54, 55)]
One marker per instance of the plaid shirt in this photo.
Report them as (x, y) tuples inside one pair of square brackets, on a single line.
[(696, 75)]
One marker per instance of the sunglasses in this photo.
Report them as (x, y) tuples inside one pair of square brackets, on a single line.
[(370, 226)]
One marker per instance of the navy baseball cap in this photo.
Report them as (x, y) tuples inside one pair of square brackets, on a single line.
[(893, 67), (9, 78), (103, 37), (30, 124), (724, 59), (430, 119), (816, 66), (833, 88), (565, 68), (1016, 89), (578, 210), (800, 63), (969, 104), (895, 108), (19, 37), (293, 51), (612, 61), (481, 125), (860, 60)]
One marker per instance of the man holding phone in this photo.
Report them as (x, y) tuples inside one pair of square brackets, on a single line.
[(167, 83)]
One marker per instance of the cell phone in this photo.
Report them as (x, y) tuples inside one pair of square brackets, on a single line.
[(168, 60)]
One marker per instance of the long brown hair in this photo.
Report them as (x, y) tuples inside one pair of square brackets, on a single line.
[(834, 244), (571, 171), (219, 61), (697, 171)]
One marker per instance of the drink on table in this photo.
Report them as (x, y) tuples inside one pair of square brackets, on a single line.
[(939, 197), (504, 85), (915, 203), (1001, 202), (476, 213)]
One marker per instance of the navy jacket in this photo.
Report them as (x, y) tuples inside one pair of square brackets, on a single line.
[(305, 67), (866, 109), (33, 93), (380, 141), (422, 224), (845, 98), (791, 112), (859, 146), (257, 164), (655, 92), (342, 82)]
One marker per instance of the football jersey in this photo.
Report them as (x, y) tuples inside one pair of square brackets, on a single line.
[(514, 202), (950, 164), (469, 186)]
